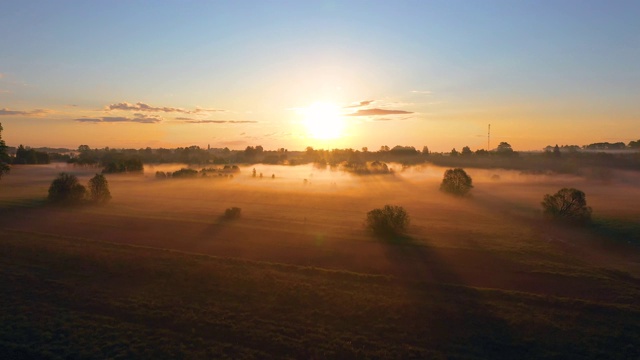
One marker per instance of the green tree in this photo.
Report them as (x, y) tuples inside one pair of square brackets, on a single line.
[(99, 189), (66, 189), (4, 156), (456, 181), (387, 221), (568, 204)]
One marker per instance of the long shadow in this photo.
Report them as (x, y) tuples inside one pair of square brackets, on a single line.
[(24, 208), (455, 318), (621, 231), (215, 228)]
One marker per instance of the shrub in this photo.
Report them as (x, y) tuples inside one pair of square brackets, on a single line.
[(123, 165), (456, 182), (66, 189), (99, 189), (567, 204), (232, 213), (184, 173), (387, 221)]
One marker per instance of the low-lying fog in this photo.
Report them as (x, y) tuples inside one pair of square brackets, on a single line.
[(320, 221), (406, 185)]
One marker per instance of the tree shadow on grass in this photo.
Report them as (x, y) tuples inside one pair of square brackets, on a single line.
[(393, 239), (619, 230), (217, 226), (24, 207), (448, 316), (23, 203)]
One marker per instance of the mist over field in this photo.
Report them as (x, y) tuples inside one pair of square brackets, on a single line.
[(319, 180), (304, 203), (162, 252)]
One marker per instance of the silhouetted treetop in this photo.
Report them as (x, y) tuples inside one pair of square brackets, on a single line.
[(456, 181), (388, 221), (65, 189), (99, 189), (568, 204), (5, 160), (504, 148)]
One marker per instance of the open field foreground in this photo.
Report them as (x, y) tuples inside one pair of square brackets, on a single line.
[(157, 273)]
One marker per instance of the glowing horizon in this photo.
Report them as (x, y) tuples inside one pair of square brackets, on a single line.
[(229, 75)]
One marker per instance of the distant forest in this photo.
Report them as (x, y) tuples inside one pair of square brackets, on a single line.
[(562, 159)]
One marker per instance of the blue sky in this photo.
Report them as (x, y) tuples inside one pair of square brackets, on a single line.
[(541, 72)]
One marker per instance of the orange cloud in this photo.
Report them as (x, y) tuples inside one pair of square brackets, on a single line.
[(376, 112)]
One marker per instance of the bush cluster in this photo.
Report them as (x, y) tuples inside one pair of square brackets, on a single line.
[(232, 213), (388, 221), (567, 204), (66, 189), (456, 182)]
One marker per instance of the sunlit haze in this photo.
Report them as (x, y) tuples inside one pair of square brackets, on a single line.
[(323, 120), (319, 73), (320, 179)]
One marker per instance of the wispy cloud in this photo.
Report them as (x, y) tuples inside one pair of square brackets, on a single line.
[(138, 118), (200, 110), (2, 91), (202, 121), (139, 106), (424, 92), (360, 104), (391, 119), (36, 112), (376, 112)]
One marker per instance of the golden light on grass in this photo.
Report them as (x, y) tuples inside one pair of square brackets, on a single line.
[(323, 120)]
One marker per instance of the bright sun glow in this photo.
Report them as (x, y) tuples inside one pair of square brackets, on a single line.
[(323, 120)]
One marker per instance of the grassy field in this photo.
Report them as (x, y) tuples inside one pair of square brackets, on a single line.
[(157, 273)]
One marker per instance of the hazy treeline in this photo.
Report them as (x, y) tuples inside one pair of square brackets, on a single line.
[(597, 146), (112, 160), (579, 163), (572, 159), (226, 171), (30, 156)]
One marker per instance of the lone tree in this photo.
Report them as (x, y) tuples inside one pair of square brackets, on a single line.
[(567, 204), (504, 148), (456, 182), (65, 189), (388, 221), (232, 213), (99, 189), (4, 156)]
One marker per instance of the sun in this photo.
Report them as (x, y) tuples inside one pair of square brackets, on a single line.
[(323, 120)]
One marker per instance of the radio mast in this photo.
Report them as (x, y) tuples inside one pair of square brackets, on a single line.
[(489, 138)]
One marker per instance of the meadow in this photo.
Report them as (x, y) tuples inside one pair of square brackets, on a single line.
[(158, 272)]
